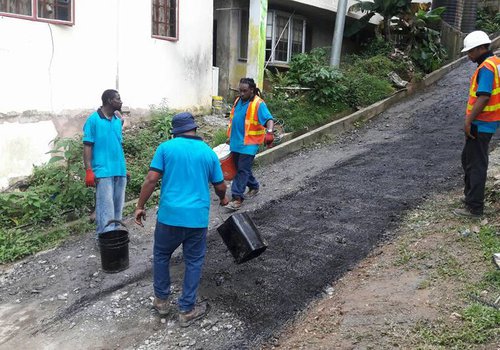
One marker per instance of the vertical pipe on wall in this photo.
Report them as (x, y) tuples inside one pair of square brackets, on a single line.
[(338, 33)]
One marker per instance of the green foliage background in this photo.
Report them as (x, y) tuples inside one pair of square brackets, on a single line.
[(358, 83)]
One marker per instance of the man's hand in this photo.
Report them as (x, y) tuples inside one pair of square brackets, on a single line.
[(89, 178), (269, 139), (467, 128), (139, 215), (224, 201)]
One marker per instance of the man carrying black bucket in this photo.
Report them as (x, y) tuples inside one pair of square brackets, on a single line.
[(186, 166)]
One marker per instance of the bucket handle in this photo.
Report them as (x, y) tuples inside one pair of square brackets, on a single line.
[(115, 222)]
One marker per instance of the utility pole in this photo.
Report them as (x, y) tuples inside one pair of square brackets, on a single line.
[(338, 33)]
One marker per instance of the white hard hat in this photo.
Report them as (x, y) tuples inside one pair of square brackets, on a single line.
[(475, 39)]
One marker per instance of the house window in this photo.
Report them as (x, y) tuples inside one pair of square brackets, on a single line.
[(56, 11), (243, 36), (164, 19), (285, 36)]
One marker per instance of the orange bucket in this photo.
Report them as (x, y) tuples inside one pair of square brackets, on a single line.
[(226, 161)]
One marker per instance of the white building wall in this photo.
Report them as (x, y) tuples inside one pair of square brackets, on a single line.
[(50, 67), (56, 74)]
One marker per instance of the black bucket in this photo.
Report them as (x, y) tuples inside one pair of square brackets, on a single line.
[(242, 237), (114, 249)]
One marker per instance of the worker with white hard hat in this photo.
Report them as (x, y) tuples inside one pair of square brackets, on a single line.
[(481, 121)]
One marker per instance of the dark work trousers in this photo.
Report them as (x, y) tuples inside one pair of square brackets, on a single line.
[(244, 176), (475, 165)]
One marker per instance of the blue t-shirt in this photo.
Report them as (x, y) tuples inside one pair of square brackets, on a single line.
[(188, 166), (485, 80), (105, 135), (236, 141)]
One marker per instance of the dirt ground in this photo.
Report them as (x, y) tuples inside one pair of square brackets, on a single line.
[(381, 303), (335, 217)]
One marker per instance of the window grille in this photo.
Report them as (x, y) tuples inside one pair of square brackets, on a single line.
[(164, 18), (285, 36), (56, 11)]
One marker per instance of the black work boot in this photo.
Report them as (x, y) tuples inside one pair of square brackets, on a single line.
[(467, 213)]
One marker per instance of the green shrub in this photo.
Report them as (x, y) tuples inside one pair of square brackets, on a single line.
[(366, 89), (54, 189), (376, 46), (219, 137), (425, 46), (488, 21), (379, 66), (140, 143), (313, 71)]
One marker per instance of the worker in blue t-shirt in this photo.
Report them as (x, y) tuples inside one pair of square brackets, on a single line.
[(104, 160), (250, 125), (481, 121), (186, 166)]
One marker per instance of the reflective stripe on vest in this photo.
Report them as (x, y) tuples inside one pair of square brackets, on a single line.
[(254, 131), (491, 112)]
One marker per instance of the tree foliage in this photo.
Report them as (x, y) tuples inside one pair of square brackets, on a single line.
[(388, 9)]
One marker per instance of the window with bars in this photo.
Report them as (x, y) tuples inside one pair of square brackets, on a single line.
[(285, 36), (57, 11), (165, 19)]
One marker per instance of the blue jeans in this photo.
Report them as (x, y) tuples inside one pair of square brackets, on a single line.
[(244, 176), (194, 246), (109, 201)]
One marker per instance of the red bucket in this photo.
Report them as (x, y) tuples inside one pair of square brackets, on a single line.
[(226, 161)]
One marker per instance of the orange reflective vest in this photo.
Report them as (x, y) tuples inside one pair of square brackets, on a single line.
[(254, 131), (490, 113)]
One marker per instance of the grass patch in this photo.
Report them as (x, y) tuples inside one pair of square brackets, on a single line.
[(405, 254), (479, 325), (299, 114), (490, 241), (449, 267), (18, 243), (218, 138), (458, 271)]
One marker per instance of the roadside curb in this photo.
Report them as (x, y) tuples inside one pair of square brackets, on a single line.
[(348, 123)]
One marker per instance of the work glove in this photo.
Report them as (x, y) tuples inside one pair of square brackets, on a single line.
[(269, 139), (89, 178)]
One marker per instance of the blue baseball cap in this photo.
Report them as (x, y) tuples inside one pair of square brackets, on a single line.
[(183, 122)]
